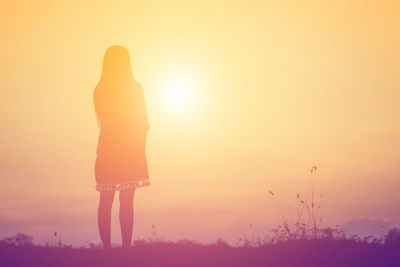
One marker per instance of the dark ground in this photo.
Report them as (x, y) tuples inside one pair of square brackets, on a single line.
[(301, 253)]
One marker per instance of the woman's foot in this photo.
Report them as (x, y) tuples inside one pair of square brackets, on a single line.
[(107, 246), (124, 246)]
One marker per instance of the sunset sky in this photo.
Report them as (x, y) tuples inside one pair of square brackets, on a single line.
[(243, 97)]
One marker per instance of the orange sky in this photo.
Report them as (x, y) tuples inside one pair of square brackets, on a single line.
[(272, 89)]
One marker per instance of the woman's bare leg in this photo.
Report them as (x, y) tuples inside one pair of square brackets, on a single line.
[(126, 215), (104, 217)]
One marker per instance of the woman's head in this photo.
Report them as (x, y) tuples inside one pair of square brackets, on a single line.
[(116, 64), (116, 87)]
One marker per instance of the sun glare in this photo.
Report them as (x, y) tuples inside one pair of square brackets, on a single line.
[(179, 96)]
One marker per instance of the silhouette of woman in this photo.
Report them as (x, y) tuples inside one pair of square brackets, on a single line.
[(121, 163)]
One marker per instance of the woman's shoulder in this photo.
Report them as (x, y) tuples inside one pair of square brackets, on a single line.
[(138, 85)]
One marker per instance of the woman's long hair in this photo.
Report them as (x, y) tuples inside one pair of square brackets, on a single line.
[(117, 96)]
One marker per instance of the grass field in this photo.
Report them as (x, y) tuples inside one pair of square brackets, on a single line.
[(324, 251)]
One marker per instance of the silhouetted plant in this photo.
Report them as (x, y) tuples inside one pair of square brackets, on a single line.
[(152, 237), (18, 240), (92, 245), (252, 240), (221, 243), (392, 237), (308, 221)]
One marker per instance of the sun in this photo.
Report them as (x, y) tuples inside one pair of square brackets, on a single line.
[(179, 96)]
